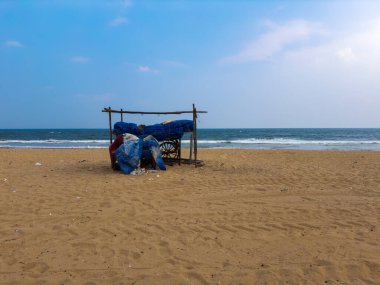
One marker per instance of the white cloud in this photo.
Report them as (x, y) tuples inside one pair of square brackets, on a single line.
[(359, 46), (118, 21), (80, 59), (306, 43), (121, 20), (346, 54), (276, 40), (13, 44), (146, 69)]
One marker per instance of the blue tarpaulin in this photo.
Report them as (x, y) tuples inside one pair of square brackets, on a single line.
[(129, 153), (133, 148), (163, 131), (151, 149)]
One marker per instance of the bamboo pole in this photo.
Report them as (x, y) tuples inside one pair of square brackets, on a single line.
[(150, 113), (195, 135), (110, 124), (121, 114), (191, 147), (179, 151)]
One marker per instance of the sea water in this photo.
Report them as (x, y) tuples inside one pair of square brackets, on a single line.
[(306, 139)]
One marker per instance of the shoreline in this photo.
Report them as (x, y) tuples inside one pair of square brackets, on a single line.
[(199, 148)]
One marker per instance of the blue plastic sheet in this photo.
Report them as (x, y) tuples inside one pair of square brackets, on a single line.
[(129, 153), (151, 147), (120, 128), (133, 148), (162, 132)]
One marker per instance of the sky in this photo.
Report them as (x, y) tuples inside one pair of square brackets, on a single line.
[(250, 64)]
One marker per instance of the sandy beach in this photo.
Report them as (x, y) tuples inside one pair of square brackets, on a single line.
[(246, 217)]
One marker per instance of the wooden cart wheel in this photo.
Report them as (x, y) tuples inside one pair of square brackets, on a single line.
[(169, 150)]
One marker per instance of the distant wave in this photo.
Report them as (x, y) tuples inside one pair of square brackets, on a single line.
[(53, 141), (287, 142), (52, 147), (206, 143)]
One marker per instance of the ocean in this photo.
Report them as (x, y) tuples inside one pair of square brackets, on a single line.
[(306, 139)]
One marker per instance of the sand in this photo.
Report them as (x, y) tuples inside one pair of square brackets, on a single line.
[(246, 217)]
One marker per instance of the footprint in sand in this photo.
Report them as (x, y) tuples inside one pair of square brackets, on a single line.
[(36, 267), (136, 255), (165, 249), (105, 204), (107, 252), (197, 277)]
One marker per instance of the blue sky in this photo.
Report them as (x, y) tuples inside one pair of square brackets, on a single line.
[(249, 63)]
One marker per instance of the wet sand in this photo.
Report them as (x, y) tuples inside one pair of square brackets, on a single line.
[(246, 217)]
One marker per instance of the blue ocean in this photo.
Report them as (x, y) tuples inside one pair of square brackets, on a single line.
[(306, 139)]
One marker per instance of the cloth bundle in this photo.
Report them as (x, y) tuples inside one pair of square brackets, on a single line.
[(164, 131), (133, 148)]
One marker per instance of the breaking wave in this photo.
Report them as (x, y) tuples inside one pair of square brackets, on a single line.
[(287, 141), (209, 143)]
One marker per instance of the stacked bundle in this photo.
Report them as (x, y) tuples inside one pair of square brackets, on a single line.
[(129, 149), (165, 131)]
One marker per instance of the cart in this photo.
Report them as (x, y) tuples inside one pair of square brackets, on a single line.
[(170, 146)]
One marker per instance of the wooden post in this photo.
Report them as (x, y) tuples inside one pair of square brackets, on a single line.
[(121, 114), (179, 151), (110, 123), (191, 147), (195, 135)]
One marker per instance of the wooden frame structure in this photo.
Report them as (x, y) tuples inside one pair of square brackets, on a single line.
[(193, 139)]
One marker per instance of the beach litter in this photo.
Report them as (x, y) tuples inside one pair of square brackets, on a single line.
[(38, 164), (5, 179), (138, 171)]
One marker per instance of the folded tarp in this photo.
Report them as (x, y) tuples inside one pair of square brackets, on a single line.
[(129, 153), (162, 132), (133, 148), (151, 149)]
